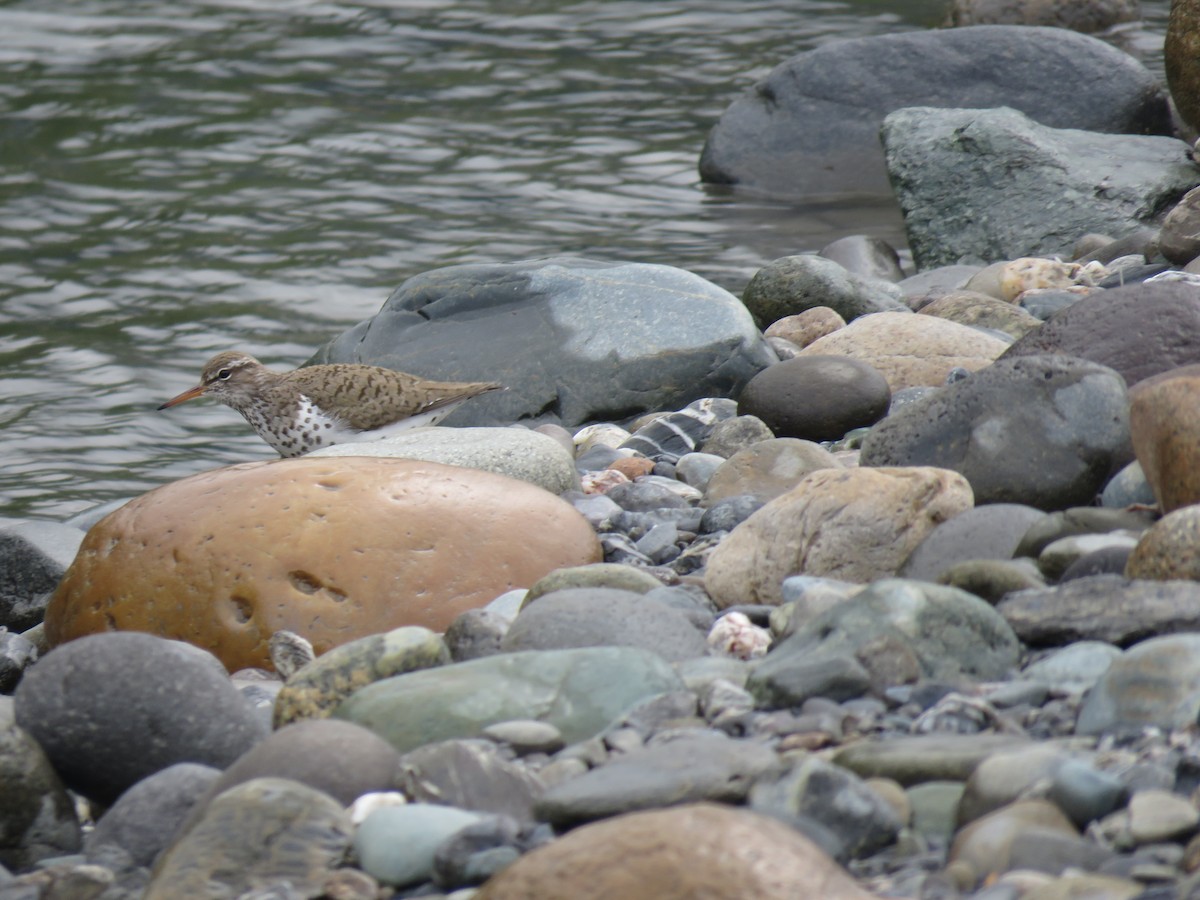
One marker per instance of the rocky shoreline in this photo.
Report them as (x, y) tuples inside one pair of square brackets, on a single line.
[(857, 585)]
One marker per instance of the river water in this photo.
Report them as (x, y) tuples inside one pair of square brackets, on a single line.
[(180, 178)]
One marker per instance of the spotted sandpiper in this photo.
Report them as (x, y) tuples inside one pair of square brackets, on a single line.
[(317, 406)]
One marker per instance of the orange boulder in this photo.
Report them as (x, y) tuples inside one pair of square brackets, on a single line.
[(334, 549)]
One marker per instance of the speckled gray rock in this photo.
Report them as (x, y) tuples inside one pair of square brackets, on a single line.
[(577, 691), (37, 815), (701, 766), (597, 617), (793, 284), (317, 689), (1020, 188), (110, 709), (33, 557), (766, 138), (667, 337), (1138, 330), (263, 832), (145, 818), (1044, 431), (515, 452)]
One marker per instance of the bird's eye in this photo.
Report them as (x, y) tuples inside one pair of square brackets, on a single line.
[(224, 374)]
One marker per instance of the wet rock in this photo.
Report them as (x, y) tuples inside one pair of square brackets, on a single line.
[(860, 254), (110, 709), (668, 337), (1052, 448), (332, 549), (853, 524)]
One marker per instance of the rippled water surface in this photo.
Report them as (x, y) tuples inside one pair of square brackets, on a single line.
[(180, 178)]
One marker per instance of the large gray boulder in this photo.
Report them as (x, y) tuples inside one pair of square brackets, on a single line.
[(574, 340), (811, 126), (982, 185)]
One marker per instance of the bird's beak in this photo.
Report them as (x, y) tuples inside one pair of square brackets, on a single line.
[(189, 394)]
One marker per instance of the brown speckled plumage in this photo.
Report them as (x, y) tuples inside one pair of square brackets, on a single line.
[(317, 406)]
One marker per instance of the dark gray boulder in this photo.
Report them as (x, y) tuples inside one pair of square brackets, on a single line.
[(811, 126), (1046, 431)]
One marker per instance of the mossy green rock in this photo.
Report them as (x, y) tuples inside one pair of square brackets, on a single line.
[(578, 691)]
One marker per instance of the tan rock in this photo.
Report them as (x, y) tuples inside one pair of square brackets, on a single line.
[(851, 524), (1169, 550), (804, 328), (986, 844), (332, 549), (910, 350), (767, 469), (699, 850), (1181, 58), (1164, 425), (981, 311)]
